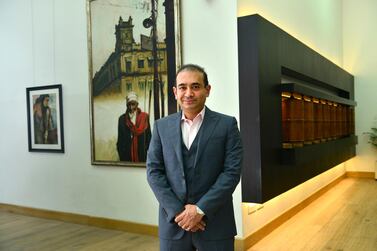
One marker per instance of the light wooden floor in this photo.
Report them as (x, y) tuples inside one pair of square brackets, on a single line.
[(23, 233), (343, 219)]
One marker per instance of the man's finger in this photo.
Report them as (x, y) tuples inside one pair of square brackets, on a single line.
[(194, 229), (200, 226), (179, 217)]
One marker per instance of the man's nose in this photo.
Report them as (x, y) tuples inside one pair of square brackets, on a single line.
[(189, 92)]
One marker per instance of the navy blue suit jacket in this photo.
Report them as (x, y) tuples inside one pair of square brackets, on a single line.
[(217, 173)]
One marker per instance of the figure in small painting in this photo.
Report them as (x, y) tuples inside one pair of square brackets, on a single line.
[(44, 129)]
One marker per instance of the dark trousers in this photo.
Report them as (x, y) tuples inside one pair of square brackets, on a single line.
[(192, 241)]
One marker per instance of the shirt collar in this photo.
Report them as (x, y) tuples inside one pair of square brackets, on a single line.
[(201, 114)]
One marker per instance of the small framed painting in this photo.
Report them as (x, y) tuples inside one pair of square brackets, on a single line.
[(45, 118)]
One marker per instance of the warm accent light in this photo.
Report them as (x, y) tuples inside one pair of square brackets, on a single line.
[(286, 94), (296, 191), (307, 99), (297, 96)]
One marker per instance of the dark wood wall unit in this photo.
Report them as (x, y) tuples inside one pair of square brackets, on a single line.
[(266, 54)]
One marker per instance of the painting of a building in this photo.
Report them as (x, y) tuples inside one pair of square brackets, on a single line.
[(131, 68), (134, 52)]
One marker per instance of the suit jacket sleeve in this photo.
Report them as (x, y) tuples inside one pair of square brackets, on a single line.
[(157, 179), (221, 191)]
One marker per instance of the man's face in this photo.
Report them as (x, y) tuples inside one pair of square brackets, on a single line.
[(190, 91), (132, 106)]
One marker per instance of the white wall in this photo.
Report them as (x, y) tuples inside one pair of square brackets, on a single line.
[(360, 58), (209, 32), (45, 42), (317, 24)]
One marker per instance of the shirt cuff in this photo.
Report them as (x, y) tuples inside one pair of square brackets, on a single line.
[(199, 211)]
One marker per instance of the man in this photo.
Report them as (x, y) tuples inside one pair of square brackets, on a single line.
[(193, 166), (134, 132)]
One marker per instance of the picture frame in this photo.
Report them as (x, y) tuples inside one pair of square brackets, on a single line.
[(134, 50), (45, 118)]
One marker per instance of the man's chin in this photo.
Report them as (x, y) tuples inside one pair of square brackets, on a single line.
[(191, 109)]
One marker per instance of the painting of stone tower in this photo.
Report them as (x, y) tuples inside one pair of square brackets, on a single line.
[(130, 55)]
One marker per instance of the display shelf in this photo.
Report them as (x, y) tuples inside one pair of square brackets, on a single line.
[(307, 90)]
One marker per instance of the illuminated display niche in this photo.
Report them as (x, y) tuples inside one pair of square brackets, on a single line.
[(296, 110)]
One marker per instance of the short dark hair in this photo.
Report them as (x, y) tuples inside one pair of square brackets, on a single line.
[(194, 67)]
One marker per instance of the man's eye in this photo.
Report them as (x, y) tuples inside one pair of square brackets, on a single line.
[(181, 88)]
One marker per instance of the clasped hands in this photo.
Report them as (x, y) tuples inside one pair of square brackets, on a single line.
[(190, 220)]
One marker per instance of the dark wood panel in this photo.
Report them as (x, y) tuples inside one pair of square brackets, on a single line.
[(266, 54), (251, 133), (309, 154)]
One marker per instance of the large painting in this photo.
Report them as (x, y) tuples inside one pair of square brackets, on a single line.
[(134, 51), (45, 118)]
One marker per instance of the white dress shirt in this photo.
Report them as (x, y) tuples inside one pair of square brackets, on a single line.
[(190, 128)]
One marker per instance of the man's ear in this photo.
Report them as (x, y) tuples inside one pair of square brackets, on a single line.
[(208, 87)]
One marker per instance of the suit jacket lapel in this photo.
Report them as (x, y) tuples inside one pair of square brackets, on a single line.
[(206, 130), (176, 137)]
